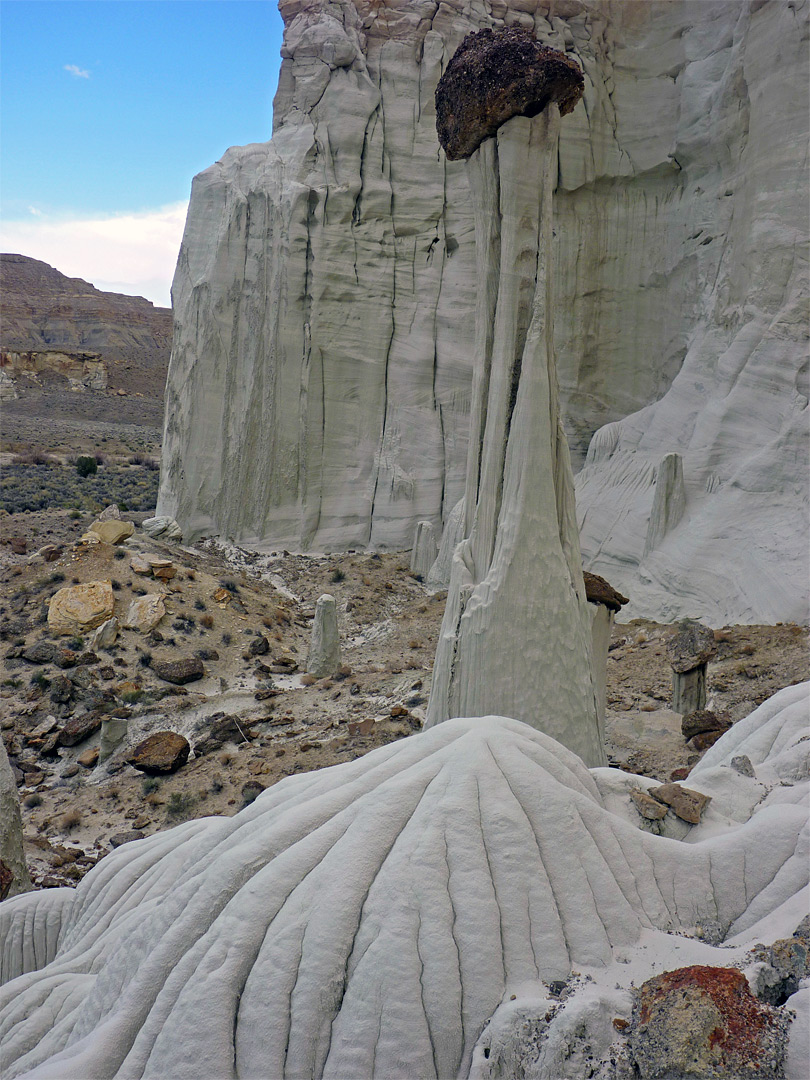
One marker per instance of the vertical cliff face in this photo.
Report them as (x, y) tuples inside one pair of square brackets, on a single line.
[(324, 299), (737, 411)]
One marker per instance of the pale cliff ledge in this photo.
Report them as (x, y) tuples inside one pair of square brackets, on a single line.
[(320, 385)]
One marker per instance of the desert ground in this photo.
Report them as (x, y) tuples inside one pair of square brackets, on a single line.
[(248, 617)]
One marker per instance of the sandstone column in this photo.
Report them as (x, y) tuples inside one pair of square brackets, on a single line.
[(516, 635), (324, 650)]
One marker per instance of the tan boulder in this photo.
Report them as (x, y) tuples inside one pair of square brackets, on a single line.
[(112, 531), (139, 564), (79, 608), (145, 613)]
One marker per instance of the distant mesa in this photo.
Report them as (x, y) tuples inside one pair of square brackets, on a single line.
[(58, 328)]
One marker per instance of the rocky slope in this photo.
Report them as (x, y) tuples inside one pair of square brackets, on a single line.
[(324, 292)]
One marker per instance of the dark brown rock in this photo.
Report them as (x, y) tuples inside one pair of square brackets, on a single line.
[(161, 753), (259, 646), (223, 729), (46, 652), (251, 790), (6, 880), (495, 75), (691, 647), (79, 728), (179, 671), (599, 591), (704, 740), (61, 690), (685, 803), (703, 720), (704, 1021), (125, 837)]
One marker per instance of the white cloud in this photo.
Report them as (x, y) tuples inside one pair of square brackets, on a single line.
[(80, 73), (132, 253)]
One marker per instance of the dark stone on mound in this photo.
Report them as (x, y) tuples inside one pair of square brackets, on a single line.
[(80, 728), (695, 723), (599, 591), (693, 646), (495, 75)]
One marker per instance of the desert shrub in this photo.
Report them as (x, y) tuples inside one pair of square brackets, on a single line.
[(33, 800), (337, 575), (144, 461), (132, 697), (150, 784), (27, 488), (119, 554), (86, 466), (180, 805), (34, 456), (207, 621), (199, 605), (71, 820)]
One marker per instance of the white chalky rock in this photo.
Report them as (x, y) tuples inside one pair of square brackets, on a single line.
[(424, 550), (366, 920), (516, 634), (324, 650), (11, 836), (113, 732), (105, 635), (163, 528), (452, 535)]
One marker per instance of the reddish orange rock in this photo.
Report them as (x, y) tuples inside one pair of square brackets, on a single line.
[(704, 1021)]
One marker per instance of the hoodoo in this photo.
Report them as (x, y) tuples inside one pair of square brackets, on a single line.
[(516, 632)]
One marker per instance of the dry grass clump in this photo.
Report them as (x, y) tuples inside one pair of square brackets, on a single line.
[(70, 820)]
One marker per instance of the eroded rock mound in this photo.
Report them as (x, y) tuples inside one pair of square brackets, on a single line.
[(367, 920), (495, 75)]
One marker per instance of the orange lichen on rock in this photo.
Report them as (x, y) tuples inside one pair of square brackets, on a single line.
[(704, 1021)]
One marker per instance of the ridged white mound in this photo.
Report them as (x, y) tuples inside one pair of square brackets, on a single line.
[(365, 920)]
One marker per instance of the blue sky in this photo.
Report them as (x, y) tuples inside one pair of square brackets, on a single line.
[(109, 108)]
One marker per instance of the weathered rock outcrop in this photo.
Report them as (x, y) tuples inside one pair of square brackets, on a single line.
[(82, 370), (405, 914), (321, 372)]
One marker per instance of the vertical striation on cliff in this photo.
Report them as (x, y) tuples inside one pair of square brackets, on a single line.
[(320, 383)]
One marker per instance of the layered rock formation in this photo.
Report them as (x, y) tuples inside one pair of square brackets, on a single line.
[(83, 371), (46, 315), (405, 914), (320, 384)]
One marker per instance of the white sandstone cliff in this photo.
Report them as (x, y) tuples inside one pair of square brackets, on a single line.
[(319, 389)]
